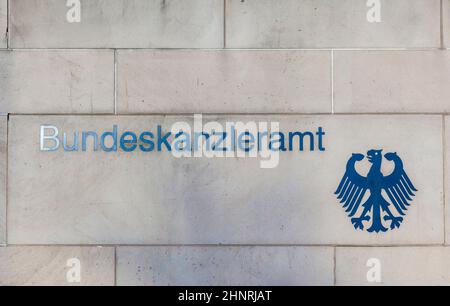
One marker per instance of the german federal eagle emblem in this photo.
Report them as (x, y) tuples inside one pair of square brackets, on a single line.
[(395, 189)]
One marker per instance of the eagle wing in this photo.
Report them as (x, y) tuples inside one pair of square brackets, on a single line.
[(353, 186), (398, 186)]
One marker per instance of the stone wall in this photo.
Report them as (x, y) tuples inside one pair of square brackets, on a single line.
[(372, 74)]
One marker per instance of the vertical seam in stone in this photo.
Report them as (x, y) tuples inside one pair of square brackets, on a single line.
[(444, 154), (332, 81), (8, 18), (224, 24), (334, 266), (115, 265), (115, 81), (6, 181), (442, 23)]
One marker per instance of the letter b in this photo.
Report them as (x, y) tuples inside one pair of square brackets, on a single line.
[(53, 138)]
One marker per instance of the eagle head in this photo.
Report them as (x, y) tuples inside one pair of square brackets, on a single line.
[(374, 156), (357, 156), (390, 156)]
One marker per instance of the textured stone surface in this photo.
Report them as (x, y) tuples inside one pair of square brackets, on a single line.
[(151, 198), (3, 157), (224, 266), (392, 81), (221, 221), (224, 81), (53, 81), (3, 23), (416, 266), (447, 175), (118, 24), (446, 22), (50, 266), (331, 24)]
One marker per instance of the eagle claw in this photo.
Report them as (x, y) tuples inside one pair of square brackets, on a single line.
[(358, 222), (395, 221)]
